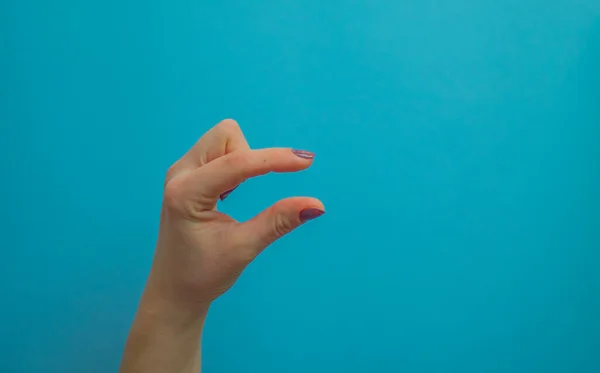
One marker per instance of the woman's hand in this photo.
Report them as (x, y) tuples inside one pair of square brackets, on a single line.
[(201, 252)]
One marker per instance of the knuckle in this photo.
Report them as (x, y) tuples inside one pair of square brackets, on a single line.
[(176, 198), (282, 226), (229, 123), (171, 171), (173, 193), (228, 126)]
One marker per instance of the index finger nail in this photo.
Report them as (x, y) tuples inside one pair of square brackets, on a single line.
[(303, 154)]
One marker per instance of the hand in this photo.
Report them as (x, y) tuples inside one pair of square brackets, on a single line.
[(201, 252)]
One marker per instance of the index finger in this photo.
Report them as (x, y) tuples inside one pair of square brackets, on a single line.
[(230, 170)]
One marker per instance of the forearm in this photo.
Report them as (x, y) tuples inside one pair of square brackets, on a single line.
[(163, 338)]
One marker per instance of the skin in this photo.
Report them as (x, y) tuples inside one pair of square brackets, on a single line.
[(200, 251)]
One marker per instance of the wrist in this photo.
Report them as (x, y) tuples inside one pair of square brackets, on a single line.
[(164, 337), (168, 309)]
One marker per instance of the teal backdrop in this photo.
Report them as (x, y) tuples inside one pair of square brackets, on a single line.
[(458, 156)]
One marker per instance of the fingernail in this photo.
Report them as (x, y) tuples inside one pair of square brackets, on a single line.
[(304, 154), (227, 193), (310, 214)]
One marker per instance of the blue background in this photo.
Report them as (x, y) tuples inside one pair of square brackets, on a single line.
[(458, 157)]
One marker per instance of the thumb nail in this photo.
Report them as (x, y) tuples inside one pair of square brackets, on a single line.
[(310, 214)]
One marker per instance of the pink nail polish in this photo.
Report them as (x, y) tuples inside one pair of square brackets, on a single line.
[(310, 214), (303, 154), (227, 193)]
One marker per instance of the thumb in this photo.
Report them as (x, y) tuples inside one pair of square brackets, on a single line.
[(279, 220)]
